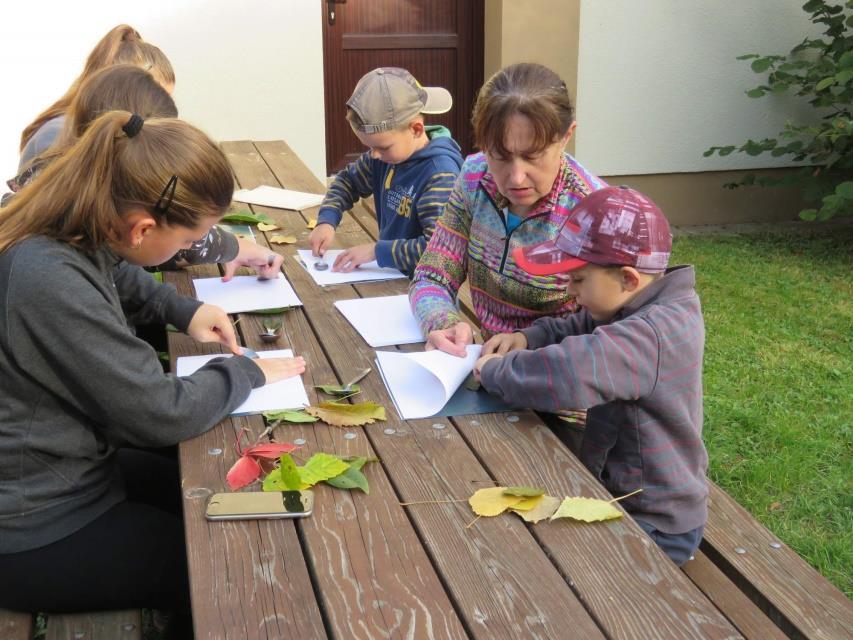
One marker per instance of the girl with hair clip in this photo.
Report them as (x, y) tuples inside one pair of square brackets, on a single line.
[(80, 389), (122, 44), (130, 88), (517, 191)]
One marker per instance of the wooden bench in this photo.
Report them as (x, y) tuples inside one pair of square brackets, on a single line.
[(105, 625)]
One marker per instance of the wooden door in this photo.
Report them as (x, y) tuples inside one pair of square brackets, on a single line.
[(439, 41)]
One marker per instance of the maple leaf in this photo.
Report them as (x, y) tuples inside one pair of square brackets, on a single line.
[(263, 226), (492, 501), (321, 466), (279, 239), (342, 414), (545, 508), (587, 510), (288, 416), (524, 492), (246, 470)]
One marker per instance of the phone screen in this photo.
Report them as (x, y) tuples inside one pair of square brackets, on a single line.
[(260, 504)]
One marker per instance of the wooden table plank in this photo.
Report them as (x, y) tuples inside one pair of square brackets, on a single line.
[(801, 601), (500, 580), (374, 577), (248, 578)]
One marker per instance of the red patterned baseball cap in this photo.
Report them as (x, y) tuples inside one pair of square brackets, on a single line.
[(611, 226)]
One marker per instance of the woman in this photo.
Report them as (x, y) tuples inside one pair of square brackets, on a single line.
[(85, 524), (516, 192)]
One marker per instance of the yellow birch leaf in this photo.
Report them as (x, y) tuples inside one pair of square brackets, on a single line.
[(312, 223), (263, 226), (545, 508), (342, 414), (587, 510), (283, 239), (321, 466), (527, 503), (492, 501)]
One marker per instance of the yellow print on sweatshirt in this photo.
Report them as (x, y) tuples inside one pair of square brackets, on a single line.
[(399, 199)]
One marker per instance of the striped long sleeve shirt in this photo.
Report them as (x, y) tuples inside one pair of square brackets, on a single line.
[(409, 197)]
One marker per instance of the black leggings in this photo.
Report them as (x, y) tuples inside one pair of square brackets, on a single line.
[(131, 557)]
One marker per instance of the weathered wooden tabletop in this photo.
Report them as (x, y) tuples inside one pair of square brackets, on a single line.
[(363, 566)]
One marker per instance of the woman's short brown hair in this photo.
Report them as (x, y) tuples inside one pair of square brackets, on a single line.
[(527, 89)]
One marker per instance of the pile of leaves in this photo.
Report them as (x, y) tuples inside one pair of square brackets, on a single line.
[(337, 471)]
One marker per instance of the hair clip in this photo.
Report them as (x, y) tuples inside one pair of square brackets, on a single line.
[(165, 200)]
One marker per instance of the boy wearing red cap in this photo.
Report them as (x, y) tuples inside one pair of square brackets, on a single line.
[(632, 357)]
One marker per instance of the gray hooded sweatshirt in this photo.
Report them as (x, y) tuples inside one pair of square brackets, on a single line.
[(77, 383)]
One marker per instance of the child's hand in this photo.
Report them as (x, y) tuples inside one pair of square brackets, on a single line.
[(452, 340), (265, 262), (355, 256), (320, 238), (503, 343), (211, 324), (478, 366), (276, 369)]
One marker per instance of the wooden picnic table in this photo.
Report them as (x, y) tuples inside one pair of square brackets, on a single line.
[(363, 565)]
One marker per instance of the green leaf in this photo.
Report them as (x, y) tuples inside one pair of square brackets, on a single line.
[(761, 65), (808, 214), (524, 492), (352, 478), (245, 216), (843, 77), (823, 84), (172, 328), (268, 312), (289, 416), (337, 389), (321, 466), (290, 477), (845, 190), (158, 276), (747, 56), (755, 93), (724, 151), (359, 461)]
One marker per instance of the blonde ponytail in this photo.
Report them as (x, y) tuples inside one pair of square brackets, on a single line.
[(81, 195)]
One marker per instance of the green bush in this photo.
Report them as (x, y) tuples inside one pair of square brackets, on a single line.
[(821, 70)]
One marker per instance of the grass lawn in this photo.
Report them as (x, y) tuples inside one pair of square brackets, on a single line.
[(779, 383)]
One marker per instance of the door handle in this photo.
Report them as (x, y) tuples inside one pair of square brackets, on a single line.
[(330, 10)]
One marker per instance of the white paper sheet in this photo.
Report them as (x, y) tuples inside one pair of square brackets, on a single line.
[(421, 383), (367, 272), (284, 394), (246, 293), (383, 321), (278, 198)]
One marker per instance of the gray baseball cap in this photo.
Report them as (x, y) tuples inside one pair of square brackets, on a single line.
[(389, 97)]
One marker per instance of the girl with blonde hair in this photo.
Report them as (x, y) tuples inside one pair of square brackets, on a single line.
[(79, 503)]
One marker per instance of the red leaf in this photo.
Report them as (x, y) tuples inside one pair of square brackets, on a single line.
[(245, 471), (272, 450)]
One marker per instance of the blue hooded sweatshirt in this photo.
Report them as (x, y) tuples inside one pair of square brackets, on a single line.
[(409, 197)]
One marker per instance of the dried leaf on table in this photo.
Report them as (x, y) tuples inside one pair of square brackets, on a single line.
[(263, 226), (587, 510), (492, 501), (278, 239), (545, 508), (338, 390), (527, 504), (289, 415), (342, 414), (311, 223), (524, 492)]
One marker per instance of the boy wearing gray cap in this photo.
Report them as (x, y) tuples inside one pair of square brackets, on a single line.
[(409, 168)]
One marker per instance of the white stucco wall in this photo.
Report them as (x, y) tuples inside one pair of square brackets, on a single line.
[(245, 70), (658, 82)]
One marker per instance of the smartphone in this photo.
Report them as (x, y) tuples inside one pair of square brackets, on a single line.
[(260, 505)]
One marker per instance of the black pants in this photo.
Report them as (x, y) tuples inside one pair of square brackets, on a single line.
[(131, 557)]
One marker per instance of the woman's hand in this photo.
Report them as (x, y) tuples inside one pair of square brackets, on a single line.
[(266, 262), (211, 324), (320, 238), (276, 369), (478, 366), (355, 256), (452, 340), (503, 343)]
